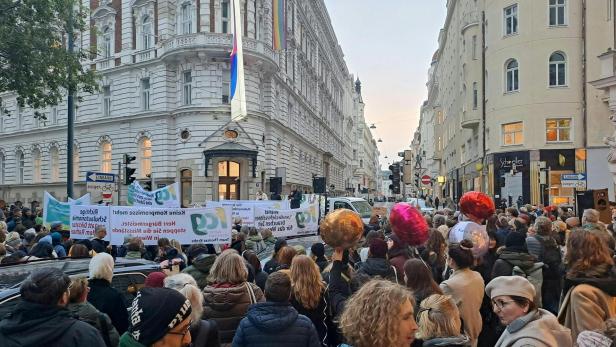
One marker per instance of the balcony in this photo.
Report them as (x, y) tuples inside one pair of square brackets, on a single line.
[(105, 63), (145, 55), (471, 120), (215, 45), (469, 19)]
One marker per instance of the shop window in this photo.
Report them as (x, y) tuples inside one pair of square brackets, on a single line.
[(558, 194)]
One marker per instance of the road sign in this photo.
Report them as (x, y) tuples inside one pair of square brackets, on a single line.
[(102, 186), (100, 177), (426, 180), (576, 180)]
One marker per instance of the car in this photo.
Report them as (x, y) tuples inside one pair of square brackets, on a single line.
[(421, 203), (358, 205), (128, 277)]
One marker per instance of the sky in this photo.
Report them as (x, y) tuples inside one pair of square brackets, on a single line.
[(389, 44)]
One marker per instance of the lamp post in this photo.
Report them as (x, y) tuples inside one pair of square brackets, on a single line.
[(70, 112)]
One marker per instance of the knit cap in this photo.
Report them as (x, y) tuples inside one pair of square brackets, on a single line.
[(516, 242), (155, 280)]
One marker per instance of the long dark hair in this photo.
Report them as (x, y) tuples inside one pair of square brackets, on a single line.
[(419, 279), (491, 223), (436, 243)]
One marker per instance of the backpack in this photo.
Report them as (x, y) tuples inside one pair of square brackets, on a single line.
[(535, 276), (551, 257)]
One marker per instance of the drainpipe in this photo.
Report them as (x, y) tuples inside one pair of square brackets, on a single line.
[(483, 94), (584, 96)]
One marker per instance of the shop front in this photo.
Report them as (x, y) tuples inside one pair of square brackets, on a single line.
[(511, 178), (557, 162)]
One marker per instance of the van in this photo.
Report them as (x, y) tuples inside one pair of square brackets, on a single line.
[(358, 205)]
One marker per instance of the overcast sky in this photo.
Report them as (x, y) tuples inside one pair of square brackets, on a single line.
[(389, 44)]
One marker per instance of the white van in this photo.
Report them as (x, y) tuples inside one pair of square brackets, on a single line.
[(358, 205)]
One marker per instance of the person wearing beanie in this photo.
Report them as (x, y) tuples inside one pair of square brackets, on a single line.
[(56, 241), (317, 252), (102, 295), (512, 300), (155, 279), (43, 249), (272, 264), (275, 322), (159, 317), (377, 263)]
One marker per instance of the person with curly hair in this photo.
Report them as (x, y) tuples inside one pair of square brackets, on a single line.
[(439, 323), (380, 314), (605, 337), (308, 293)]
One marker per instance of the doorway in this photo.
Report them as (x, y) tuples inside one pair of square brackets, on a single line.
[(228, 180)]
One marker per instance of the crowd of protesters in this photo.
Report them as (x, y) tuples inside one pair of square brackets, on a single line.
[(547, 279)]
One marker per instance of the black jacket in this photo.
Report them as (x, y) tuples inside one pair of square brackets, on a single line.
[(271, 265), (503, 266), (41, 325), (205, 334), (318, 316), (275, 324), (377, 267), (108, 300), (200, 268)]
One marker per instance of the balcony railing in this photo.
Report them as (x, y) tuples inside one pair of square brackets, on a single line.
[(104, 63), (144, 55)]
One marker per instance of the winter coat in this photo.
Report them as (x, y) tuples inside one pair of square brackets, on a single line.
[(466, 288), (588, 301), (270, 241), (397, 258), (456, 341), (200, 268), (60, 251), (228, 304), (275, 324), (501, 234), (538, 328), (260, 279), (317, 315), (322, 263), (89, 314), (503, 266), (108, 300), (205, 334), (133, 255), (378, 267), (32, 325), (255, 243), (271, 265)]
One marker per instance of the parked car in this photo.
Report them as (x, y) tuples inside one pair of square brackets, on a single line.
[(358, 205), (129, 276), (421, 203)]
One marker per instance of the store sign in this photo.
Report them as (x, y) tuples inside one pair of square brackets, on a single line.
[(507, 163)]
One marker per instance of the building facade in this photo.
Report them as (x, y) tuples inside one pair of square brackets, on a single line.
[(164, 97), (509, 101)]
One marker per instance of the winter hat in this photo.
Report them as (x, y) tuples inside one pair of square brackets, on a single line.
[(510, 286), (101, 267), (56, 238), (593, 339), (378, 248), (154, 312), (155, 280), (46, 239), (38, 221), (279, 244), (55, 225), (29, 235), (516, 242), (318, 250)]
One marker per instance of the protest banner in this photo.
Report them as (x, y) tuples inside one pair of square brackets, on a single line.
[(57, 211), (164, 197), (187, 225), (244, 209), (85, 218), (309, 199), (284, 223)]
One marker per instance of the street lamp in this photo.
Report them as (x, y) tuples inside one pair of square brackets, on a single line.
[(373, 126)]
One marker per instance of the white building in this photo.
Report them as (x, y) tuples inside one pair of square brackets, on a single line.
[(164, 97)]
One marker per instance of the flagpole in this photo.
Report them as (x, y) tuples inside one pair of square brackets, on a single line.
[(238, 92)]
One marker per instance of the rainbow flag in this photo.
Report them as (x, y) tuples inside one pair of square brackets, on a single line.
[(279, 25)]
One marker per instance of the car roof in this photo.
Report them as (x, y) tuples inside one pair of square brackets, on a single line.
[(350, 198)]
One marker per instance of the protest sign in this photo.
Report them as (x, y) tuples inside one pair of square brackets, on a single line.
[(244, 209), (57, 211), (187, 225), (309, 199), (164, 197), (284, 223), (85, 218)]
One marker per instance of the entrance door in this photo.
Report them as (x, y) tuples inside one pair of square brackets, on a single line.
[(512, 191), (228, 180)]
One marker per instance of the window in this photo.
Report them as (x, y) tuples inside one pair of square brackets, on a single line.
[(53, 116), (75, 164), (558, 130), (186, 18), (106, 43), (21, 165), (55, 164), (145, 94), (146, 33), (513, 134), (557, 12), (512, 78), (187, 87), (228, 169), (186, 181), (20, 118), (225, 16), (226, 86), (106, 157), (475, 96), (36, 163), (474, 47), (145, 157), (558, 73), (106, 101), (511, 20), (2, 168)]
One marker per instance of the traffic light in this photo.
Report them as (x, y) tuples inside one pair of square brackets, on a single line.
[(147, 185), (129, 171), (395, 178)]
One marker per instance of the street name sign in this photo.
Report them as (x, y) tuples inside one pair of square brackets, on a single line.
[(575, 180)]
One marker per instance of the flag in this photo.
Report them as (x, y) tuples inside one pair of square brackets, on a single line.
[(238, 92), (279, 25)]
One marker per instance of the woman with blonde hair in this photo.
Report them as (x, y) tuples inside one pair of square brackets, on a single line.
[(178, 247), (203, 332), (439, 322), (379, 314), (308, 293), (590, 282), (227, 298)]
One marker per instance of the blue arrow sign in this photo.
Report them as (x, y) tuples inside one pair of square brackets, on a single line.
[(573, 177), (100, 177)]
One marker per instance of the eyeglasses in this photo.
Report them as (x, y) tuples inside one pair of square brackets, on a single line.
[(501, 304), (183, 332)]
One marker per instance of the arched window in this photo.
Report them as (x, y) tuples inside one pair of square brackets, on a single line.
[(36, 164), (558, 67), (105, 156), (106, 42), (20, 164), (145, 157), (75, 164), (511, 76), (146, 32), (186, 182), (186, 18), (54, 163)]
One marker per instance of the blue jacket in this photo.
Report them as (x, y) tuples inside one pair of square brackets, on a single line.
[(275, 324)]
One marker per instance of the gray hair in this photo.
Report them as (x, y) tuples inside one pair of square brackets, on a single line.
[(543, 226), (590, 216), (99, 228), (187, 285), (439, 220)]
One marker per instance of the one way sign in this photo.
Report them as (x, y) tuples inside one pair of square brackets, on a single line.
[(100, 177)]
